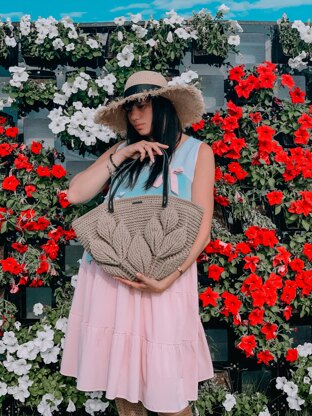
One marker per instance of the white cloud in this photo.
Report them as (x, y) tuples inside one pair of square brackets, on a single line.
[(12, 15), (266, 4), (131, 6), (73, 14)]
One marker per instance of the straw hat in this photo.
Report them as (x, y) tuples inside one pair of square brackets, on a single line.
[(187, 100)]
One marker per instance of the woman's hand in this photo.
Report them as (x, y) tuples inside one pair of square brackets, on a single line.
[(146, 284), (142, 149)]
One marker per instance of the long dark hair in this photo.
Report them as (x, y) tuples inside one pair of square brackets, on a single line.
[(166, 129)]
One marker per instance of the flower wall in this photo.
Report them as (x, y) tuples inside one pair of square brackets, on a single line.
[(254, 276)]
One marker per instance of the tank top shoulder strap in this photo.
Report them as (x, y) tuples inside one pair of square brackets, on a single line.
[(185, 156)]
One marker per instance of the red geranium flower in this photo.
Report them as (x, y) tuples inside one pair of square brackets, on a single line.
[(10, 183), (275, 197), (36, 147), (215, 271), (237, 170), (247, 344), (58, 171), (29, 190), (43, 267), (292, 355), (270, 331), (297, 95), (255, 117), (209, 297), (51, 248), (265, 357), (236, 73), (20, 247), (289, 292), (287, 312), (234, 110), (11, 265), (306, 121), (287, 81), (302, 136), (255, 317), (307, 250), (198, 126), (43, 171), (62, 199), (11, 132), (231, 304)]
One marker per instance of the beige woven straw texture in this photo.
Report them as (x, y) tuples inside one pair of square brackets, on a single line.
[(140, 235)]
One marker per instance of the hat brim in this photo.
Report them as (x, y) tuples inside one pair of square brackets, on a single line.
[(187, 100)]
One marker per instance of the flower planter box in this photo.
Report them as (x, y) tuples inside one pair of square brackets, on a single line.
[(11, 59), (201, 57), (42, 63), (280, 219), (285, 140)]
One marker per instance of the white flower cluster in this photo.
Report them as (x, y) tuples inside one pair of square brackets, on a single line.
[(6, 102), (95, 404), (230, 402), (297, 62), (20, 75), (80, 124), (289, 387), (81, 82), (10, 41), (184, 78), (305, 31)]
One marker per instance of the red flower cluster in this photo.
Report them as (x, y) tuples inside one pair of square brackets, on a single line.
[(303, 205)]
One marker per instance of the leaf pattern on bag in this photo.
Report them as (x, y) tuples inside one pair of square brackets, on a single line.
[(121, 240), (106, 226), (169, 218), (154, 234), (103, 252), (139, 254), (173, 243)]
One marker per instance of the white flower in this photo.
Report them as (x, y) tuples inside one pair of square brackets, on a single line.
[(51, 355), (78, 105), (298, 24), (59, 99), (94, 405), (58, 43), (61, 324), (44, 340), (28, 351), (20, 367), (3, 389), (223, 8), (80, 83), (19, 393), (305, 350), (84, 75), (119, 21), (295, 402), (229, 402), (95, 394), (10, 41), (234, 40), (290, 388), (152, 43), (265, 412), (139, 31), (58, 125), (182, 33), (73, 280), (70, 47), (73, 34), (306, 34), (17, 325), (135, 18), (71, 407), (48, 405), (306, 380), (125, 59), (189, 76), (119, 36), (309, 372), (174, 18), (236, 26), (92, 43), (9, 338), (38, 309), (19, 75), (169, 37), (297, 63)]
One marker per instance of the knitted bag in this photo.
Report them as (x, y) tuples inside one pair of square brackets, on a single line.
[(150, 234)]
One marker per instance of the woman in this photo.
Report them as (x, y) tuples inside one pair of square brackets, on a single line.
[(142, 341)]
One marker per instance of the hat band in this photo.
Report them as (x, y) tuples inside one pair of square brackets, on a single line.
[(135, 89)]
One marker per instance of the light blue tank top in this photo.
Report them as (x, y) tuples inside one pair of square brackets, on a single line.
[(181, 174)]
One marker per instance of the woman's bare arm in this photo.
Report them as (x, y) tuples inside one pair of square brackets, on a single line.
[(88, 183)]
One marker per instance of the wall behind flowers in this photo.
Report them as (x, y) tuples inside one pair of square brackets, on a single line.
[(254, 276)]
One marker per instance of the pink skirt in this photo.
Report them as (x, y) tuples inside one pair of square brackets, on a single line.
[(138, 346)]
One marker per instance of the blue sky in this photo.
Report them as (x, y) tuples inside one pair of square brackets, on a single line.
[(106, 10)]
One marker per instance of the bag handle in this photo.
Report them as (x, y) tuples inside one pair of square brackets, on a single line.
[(125, 169)]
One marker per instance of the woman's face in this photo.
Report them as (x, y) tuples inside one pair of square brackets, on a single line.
[(140, 116)]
